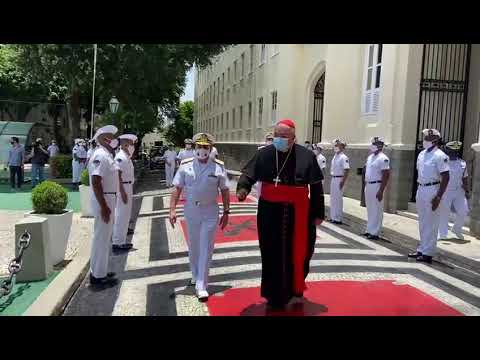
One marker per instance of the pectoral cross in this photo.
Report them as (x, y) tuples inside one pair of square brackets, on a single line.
[(277, 180)]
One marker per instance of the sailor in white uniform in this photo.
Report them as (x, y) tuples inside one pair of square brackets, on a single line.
[(123, 210), (103, 174), (433, 178), (456, 194), (186, 153), (170, 158), (258, 184), (321, 160), (377, 174), (339, 170), (203, 178)]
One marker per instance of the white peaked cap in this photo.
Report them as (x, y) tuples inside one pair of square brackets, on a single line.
[(434, 132), (377, 139), (109, 129), (128, 137)]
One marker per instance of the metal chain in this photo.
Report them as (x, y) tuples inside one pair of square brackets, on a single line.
[(15, 266)]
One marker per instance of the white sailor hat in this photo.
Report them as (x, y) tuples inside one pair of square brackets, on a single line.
[(319, 146), (431, 132), (188, 141), (377, 140), (128, 137), (76, 141), (269, 136), (340, 141), (108, 129), (203, 139), (454, 145)]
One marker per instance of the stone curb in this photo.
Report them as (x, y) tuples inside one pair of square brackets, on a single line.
[(55, 297), (399, 239)]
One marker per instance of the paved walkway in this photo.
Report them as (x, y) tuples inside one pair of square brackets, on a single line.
[(350, 275)]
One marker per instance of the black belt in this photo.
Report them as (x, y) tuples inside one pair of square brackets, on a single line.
[(110, 193), (374, 182), (430, 184), (337, 175), (126, 182)]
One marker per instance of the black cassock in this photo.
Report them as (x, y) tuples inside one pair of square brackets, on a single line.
[(275, 221)]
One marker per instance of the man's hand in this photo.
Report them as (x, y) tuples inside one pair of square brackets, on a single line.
[(342, 184), (242, 194), (223, 221), (106, 212), (173, 218), (435, 202), (379, 196), (318, 221), (124, 197)]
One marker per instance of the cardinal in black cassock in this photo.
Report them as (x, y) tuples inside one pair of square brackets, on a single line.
[(291, 204)]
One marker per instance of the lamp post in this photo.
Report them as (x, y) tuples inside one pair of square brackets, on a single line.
[(114, 104)]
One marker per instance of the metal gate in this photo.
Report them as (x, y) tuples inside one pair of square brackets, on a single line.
[(318, 110), (443, 93)]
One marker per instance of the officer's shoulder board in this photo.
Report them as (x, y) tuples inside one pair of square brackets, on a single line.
[(186, 161)]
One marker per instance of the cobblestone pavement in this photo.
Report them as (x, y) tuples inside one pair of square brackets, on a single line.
[(350, 275)]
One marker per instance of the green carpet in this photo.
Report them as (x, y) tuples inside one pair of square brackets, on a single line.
[(21, 200), (23, 295)]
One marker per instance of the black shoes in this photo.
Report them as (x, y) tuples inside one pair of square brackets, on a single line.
[(415, 254), (425, 258), (366, 234), (103, 283), (335, 222), (123, 247), (373, 237)]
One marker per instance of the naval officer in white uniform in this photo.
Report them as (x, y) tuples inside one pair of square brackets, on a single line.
[(339, 170), (433, 177), (377, 174), (123, 209), (186, 153), (203, 178), (104, 181), (170, 158), (456, 194)]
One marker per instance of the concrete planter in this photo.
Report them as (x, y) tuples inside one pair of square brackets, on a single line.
[(59, 226), (85, 197)]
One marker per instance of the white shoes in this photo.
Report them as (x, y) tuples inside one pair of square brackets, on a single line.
[(458, 234), (202, 295)]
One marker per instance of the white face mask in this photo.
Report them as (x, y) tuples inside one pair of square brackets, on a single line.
[(131, 150), (202, 154), (336, 149), (373, 148), (427, 144)]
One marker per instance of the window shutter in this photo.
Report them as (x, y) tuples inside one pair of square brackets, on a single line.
[(375, 100)]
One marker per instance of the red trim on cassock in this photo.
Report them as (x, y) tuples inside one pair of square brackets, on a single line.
[(298, 197)]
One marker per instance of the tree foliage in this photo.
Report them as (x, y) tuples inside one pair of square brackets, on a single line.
[(147, 79), (182, 127)]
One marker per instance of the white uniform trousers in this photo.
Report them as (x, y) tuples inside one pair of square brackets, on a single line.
[(102, 238), (123, 213), (428, 220), (374, 209), (336, 199), (169, 172), (77, 169), (202, 222), (459, 201)]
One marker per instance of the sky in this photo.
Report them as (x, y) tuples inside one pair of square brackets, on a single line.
[(188, 95)]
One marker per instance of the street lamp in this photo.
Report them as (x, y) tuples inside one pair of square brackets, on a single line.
[(114, 104)]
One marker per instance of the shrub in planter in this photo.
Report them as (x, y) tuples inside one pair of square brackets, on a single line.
[(49, 200), (61, 166), (85, 178)]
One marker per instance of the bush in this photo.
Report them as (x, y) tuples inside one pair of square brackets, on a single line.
[(49, 198), (85, 178), (61, 166)]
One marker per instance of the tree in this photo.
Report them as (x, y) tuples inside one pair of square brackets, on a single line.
[(144, 77), (182, 127)]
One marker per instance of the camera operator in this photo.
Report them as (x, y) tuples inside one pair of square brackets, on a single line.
[(39, 157)]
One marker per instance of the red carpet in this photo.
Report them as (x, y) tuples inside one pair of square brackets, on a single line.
[(337, 298), (239, 228), (233, 199)]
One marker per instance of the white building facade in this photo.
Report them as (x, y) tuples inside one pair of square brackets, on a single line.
[(351, 91)]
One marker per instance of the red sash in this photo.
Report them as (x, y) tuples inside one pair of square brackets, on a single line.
[(298, 197)]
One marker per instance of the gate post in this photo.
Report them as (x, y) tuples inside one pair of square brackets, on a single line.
[(475, 210)]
